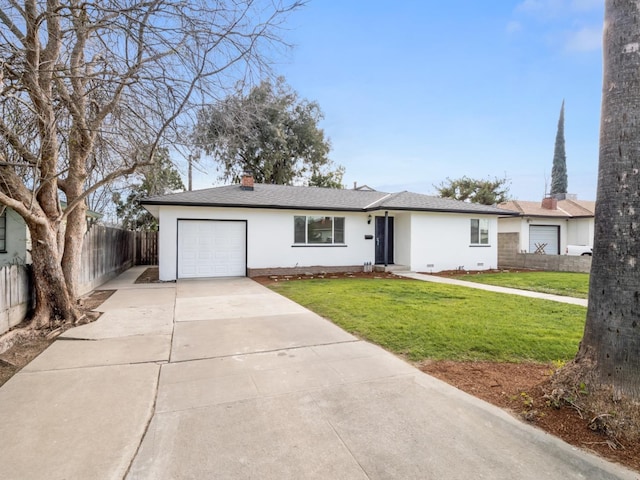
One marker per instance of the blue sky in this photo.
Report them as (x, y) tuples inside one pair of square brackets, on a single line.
[(417, 91)]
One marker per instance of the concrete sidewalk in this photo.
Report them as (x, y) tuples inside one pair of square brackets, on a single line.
[(493, 288), (225, 379)]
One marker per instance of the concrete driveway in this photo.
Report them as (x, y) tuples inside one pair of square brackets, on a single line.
[(225, 379)]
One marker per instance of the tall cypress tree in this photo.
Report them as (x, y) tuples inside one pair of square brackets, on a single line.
[(559, 170)]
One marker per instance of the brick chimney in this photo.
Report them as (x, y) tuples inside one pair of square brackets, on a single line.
[(550, 203), (246, 183)]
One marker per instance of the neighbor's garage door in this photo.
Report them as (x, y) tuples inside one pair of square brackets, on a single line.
[(541, 234), (211, 248)]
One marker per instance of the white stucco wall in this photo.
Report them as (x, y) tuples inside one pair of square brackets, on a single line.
[(16, 241), (422, 241), (270, 238), (510, 225), (580, 231), (402, 238), (442, 242)]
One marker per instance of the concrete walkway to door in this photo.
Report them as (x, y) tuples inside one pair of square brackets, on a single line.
[(493, 288), (225, 379)]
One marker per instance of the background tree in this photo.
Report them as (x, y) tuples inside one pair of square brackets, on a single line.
[(484, 191), (159, 178), (559, 169), (609, 353), (326, 178), (83, 85), (269, 132)]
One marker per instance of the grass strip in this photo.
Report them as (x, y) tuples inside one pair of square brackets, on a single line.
[(568, 284), (432, 321)]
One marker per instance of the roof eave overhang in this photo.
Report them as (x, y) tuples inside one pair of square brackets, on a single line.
[(441, 210), (376, 208), (262, 207)]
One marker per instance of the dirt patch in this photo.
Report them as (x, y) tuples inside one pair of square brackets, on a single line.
[(271, 279), (150, 275), (94, 299), (523, 390), (27, 345), (20, 354)]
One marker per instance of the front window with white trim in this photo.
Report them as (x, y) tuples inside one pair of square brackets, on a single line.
[(317, 229), (479, 231)]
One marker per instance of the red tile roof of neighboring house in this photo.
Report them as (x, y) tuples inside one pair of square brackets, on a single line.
[(565, 208)]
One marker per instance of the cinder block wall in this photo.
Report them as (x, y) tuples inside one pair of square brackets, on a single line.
[(510, 257), (507, 249)]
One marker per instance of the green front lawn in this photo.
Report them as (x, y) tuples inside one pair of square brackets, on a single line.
[(559, 283), (424, 320)]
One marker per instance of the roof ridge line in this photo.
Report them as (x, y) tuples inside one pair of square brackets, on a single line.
[(380, 200), (393, 195), (518, 206), (577, 205)]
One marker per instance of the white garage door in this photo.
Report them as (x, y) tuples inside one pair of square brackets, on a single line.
[(544, 234), (211, 248)]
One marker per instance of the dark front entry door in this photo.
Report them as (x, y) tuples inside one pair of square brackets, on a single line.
[(384, 236)]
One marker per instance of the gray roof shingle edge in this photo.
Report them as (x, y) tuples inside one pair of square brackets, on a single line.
[(315, 198)]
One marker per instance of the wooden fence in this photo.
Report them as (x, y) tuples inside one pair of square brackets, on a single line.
[(146, 248), (15, 295), (106, 252)]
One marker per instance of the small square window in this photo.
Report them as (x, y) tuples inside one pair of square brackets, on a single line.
[(479, 231)]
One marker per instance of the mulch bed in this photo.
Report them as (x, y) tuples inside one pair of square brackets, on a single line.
[(520, 388), (150, 275)]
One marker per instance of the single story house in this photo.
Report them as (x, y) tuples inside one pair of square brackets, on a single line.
[(551, 225), (248, 229)]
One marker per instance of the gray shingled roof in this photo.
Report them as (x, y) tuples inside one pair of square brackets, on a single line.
[(314, 198)]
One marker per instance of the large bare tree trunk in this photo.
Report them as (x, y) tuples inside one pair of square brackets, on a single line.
[(610, 351), (53, 301), (84, 87), (74, 238)]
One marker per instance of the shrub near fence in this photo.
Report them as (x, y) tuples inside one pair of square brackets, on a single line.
[(106, 252)]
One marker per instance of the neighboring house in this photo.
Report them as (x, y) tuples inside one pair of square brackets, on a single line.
[(249, 229), (15, 239), (550, 225)]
